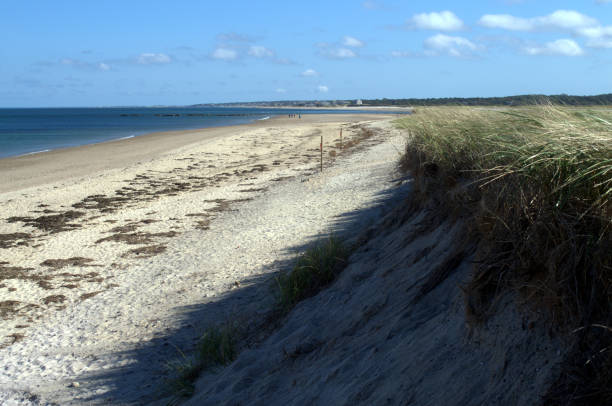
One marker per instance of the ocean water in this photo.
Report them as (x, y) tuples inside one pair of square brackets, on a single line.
[(27, 131)]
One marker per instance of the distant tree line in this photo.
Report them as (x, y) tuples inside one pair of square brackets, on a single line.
[(522, 100)]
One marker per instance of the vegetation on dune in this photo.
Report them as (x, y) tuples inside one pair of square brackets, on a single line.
[(314, 269), (538, 184), (216, 347)]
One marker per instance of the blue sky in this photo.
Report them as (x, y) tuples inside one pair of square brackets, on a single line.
[(86, 53)]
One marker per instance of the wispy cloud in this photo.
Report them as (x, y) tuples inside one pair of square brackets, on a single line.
[(441, 44), (153, 59), (259, 51), (506, 22), (569, 20), (232, 47), (143, 59), (322, 89), (351, 42), (341, 53), (310, 73), (442, 21), (596, 32), (564, 47), (600, 43), (280, 90), (84, 65), (335, 51), (224, 54)]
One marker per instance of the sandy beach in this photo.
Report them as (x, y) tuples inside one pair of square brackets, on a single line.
[(108, 248)]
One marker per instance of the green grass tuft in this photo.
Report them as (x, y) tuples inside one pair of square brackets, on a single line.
[(217, 347), (314, 269)]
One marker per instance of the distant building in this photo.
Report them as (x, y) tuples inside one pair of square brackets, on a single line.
[(358, 102)]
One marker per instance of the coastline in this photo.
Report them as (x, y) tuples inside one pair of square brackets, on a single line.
[(73, 127), (101, 255), (34, 169), (38, 168)]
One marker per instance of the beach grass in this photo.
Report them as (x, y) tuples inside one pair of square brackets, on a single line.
[(217, 347), (537, 182), (314, 269)]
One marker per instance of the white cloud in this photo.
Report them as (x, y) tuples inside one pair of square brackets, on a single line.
[(322, 89), (564, 47), (453, 46), (259, 51), (505, 21), (310, 73), (595, 32), (351, 42), (443, 21), (103, 66), (225, 54), (600, 43), (568, 20), (339, 50), (281, 90), (153, 59)]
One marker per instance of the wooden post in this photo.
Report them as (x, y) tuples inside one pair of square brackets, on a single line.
[(341, 144), (321, 153)]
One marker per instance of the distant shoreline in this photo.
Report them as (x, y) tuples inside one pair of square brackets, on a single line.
[(24, 171), (391, 109), (33, 131)]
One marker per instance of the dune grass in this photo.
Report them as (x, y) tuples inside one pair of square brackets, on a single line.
[(216, 347), (314, 269), (538, 182)]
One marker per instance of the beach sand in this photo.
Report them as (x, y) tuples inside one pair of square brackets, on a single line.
[(105, 248)]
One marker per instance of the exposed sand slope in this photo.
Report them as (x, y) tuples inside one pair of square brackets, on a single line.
[(392, 330)]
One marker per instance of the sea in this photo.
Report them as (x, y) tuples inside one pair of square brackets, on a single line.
[(34, 130)]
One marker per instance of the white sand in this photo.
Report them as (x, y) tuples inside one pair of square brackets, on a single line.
[(216, 249)]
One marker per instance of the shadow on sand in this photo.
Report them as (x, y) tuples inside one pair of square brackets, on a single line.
[(142, 379)]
